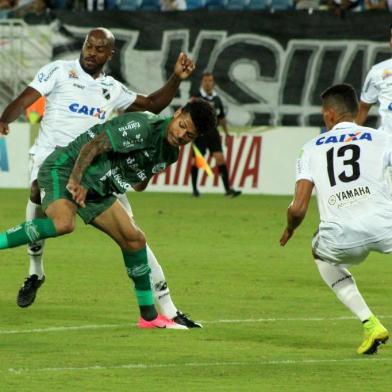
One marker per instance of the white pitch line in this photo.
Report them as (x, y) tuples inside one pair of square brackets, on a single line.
[(195, 365), (223, 321)]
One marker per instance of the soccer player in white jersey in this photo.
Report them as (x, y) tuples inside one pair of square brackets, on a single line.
[(346, 167), (78, 96), (378, 88)]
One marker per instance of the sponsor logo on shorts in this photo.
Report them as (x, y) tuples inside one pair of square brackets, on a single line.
[(344, 138)]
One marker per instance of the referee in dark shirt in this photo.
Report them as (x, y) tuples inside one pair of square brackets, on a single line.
[(212, 141)]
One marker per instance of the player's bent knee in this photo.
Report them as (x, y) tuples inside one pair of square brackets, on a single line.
[(134, 241), (64, 226)]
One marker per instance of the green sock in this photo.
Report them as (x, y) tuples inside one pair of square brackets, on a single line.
[(139, 271), (27, 232)]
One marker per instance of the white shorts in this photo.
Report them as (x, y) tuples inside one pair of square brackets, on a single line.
[(349, 256), (35, 162)]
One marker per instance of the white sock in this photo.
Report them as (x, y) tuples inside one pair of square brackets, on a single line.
[(158, 282), (36, 249), (123, 199), (343, 284), (159, 287)]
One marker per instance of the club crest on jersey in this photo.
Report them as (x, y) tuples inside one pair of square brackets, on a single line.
[(72, 74), (345, 138), (87, 111), (106, 93)]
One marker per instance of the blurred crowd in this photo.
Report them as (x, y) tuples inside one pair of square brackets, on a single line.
[(21, 8)]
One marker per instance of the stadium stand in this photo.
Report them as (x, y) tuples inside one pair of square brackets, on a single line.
[(216, 4), (281, 5), (236, 4), (150, 5), (129, 5), (259, 4), (195, 4)]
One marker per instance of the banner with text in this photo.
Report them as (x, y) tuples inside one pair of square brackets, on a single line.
[(258, 163), (269, 68)]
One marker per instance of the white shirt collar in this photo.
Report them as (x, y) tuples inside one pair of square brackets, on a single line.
[(85, 74), (344, 125), (205, 95)]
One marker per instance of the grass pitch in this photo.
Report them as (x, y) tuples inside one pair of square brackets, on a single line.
[(270, 323)]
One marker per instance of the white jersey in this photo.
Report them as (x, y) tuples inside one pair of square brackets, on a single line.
[(347, 167), (378, 87), (75, 102)]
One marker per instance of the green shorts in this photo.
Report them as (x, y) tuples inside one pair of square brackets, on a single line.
[(52, 180)]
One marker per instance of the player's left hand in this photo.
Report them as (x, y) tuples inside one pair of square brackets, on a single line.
[(78, 192), (184, 66), (287, 234)]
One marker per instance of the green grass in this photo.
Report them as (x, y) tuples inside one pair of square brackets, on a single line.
[(222, 262)]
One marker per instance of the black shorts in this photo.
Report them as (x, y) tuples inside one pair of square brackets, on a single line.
[(212, 141)]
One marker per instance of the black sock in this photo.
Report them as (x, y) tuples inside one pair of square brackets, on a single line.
[(225, 176), (194, 173)]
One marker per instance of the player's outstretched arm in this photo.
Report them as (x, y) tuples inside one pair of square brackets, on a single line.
[(161, 98), (297, 208), (17, 107), (363, 111), (88, 152)]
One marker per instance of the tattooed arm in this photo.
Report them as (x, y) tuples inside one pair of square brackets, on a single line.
[(88, 152)]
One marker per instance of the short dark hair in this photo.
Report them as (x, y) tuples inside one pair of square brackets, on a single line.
[(206, 73), (342, 98), (202, 114)]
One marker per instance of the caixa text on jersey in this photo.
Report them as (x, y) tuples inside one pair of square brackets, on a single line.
[(87, 111)]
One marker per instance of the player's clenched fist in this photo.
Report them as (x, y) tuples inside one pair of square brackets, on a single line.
[(184, 66), (4, 129)]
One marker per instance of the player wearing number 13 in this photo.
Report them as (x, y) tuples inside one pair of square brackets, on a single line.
[(346, 167)]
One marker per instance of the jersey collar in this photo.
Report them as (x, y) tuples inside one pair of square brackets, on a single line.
[(85, 74), (204, 94), (344, 125)]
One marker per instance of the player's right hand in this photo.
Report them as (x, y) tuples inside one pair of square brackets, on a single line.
[(287, 234), (78, 192), (4, 129)]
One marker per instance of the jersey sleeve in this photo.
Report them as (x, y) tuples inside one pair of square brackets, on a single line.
[(130, 135), (370, 91), (125, 99), (46, 78), (303, 168)]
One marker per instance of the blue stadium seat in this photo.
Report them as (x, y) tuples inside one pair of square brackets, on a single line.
[(150, 5), (282, 5), (258, 4), (129, 5), (216, 4), (195, 4), (236, 4)]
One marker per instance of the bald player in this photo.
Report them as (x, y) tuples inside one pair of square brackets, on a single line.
[(80, 95)]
